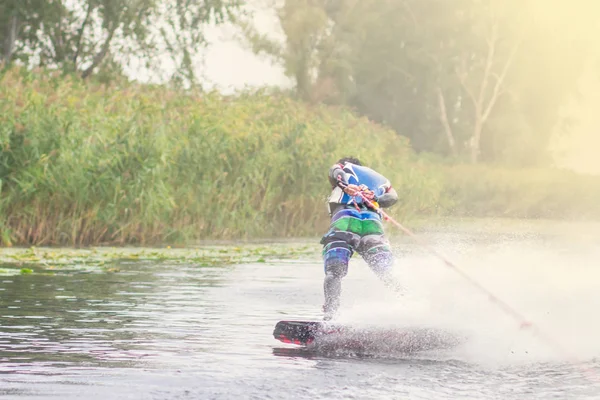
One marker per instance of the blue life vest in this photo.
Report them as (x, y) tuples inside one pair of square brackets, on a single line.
[(359, 175)]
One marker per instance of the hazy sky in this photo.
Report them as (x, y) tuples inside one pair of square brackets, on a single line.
[(227, 65)]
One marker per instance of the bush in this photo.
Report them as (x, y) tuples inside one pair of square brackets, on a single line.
[(493, 191), (82, 163)]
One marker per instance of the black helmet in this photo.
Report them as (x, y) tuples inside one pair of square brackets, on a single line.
[(352, 160)]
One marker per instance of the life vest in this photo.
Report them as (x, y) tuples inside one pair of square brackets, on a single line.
[(359, 175)]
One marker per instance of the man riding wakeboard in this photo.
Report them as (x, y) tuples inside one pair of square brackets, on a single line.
[(356, 226)]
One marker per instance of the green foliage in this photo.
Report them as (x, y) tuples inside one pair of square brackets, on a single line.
[(304, 23), (473, 79), (491, 191), (101, 36), (83, 163), (51, 261)]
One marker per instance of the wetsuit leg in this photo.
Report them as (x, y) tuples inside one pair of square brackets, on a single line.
[(376, 251), (336, 256)]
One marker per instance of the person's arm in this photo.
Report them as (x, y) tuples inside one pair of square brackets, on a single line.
[(336, 173), (388, 199)]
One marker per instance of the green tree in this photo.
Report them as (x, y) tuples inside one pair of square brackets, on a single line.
[(81, 35), (304, 24), (19, 20), (475, 79)]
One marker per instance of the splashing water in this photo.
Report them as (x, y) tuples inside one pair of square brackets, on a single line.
[(160, 330)]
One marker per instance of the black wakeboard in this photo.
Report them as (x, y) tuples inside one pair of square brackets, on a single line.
[(303, 332), (334, 335)]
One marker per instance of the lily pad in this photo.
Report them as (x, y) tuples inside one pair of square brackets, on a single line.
[(107, 259)]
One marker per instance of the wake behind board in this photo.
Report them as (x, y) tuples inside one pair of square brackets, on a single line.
[(331, 336)]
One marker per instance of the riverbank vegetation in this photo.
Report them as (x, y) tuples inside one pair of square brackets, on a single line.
[(87, 163), (83, 163)]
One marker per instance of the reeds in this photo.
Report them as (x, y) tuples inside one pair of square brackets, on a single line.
[(85, 164)]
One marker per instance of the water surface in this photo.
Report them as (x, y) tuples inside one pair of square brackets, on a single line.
[(166, 330)]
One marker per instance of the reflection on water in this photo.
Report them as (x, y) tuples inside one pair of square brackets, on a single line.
[(96, 319), (186, 331)]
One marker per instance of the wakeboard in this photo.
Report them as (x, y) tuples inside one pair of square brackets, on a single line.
[(328, 335), (304, 332)]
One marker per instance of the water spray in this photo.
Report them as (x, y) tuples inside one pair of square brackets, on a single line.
[(524, 323)]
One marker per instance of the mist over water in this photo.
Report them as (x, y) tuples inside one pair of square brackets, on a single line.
[(173, 331), (551, 282)]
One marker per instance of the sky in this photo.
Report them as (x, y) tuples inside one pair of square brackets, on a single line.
[(232, 66), (227, 64)]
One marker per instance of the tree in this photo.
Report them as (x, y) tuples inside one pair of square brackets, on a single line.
[(558, 42), (474, 79), (80, 35), (304, 24), (19, 20), (483, 79)]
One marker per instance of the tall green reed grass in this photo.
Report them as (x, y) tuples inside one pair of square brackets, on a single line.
[(88, 164), (85, 164)]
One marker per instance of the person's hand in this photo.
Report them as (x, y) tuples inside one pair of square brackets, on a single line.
[(367, 193), (352, 189)]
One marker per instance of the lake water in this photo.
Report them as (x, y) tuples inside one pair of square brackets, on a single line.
[(160, 330)]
